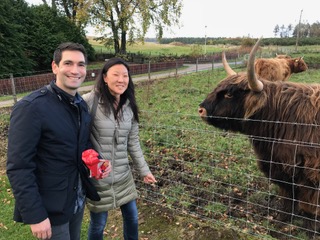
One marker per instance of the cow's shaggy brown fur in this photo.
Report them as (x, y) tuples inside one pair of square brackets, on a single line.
[(283, 124), (279, 68)]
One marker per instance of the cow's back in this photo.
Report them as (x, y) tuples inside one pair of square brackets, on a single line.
[(272, 69)]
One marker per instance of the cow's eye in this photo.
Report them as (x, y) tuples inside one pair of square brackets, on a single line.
[(228, 95)]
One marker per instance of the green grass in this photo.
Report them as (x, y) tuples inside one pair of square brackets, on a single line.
[(8, 229), (155, 49), (216, 165), (199, 167)]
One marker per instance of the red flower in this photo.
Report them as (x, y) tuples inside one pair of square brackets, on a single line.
[(90, 157)]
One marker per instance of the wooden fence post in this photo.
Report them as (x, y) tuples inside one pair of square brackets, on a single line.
[(176, 68), (13, 86), (197, 65), (149, 70)]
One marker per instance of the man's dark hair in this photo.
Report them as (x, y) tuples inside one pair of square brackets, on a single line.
[(57, 55)]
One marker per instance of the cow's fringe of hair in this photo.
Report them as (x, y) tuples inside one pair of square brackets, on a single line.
[(282, 102)]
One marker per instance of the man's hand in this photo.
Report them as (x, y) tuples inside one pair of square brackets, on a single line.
[(42, 230)]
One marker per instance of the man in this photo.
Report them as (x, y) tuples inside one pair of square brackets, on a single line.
[(49, 130)]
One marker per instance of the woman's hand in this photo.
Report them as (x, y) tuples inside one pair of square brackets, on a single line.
[(105, 169), (150, 179)]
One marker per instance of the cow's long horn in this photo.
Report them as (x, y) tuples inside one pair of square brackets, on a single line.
[(226, 66), (254, 84)]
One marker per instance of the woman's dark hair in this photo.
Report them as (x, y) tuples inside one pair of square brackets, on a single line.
[(107, 100)]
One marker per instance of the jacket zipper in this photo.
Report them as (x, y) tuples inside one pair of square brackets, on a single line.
[(115, 142)]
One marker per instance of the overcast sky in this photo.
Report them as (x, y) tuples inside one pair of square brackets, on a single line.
[(236, 18)]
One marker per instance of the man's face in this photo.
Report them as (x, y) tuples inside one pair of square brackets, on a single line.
[(71, 71)]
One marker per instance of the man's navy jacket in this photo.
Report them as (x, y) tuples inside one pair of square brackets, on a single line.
[(48, 133)]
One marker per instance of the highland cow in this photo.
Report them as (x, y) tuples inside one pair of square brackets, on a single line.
[(279, 68), (282, 121)]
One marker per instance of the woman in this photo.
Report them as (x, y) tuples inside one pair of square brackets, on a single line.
[(114, 133)]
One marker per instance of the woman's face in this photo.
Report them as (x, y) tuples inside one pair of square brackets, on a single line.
[(117, 80)]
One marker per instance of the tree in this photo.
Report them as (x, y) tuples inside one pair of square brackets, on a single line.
[(315, 29), (49, 29), (14, 56), (127, 20), (304, 30), (75, 10), (29, 35), (282, 31), (276, 30), (196, 50), (289, 30), (53, 3)]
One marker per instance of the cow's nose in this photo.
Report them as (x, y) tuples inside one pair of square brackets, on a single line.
[(202, 112)]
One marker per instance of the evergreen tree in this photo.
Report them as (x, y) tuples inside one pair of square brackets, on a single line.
[(13, 39), (48, 30), (29, 35)]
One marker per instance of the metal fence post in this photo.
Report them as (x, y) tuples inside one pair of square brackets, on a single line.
[(13, 86)]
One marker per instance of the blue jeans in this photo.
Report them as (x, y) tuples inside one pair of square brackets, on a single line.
[(129, 212)]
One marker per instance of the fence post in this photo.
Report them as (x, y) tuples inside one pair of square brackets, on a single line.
[(212, 64), (197, 65), (149, 70), (13, 86), (176, 68)]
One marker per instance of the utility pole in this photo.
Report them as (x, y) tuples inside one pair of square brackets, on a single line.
[(298, 30), (205, 40)]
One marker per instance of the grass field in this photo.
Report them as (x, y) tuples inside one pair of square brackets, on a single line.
[(178, 49), (176, 141), (155, 49), (173, 136)]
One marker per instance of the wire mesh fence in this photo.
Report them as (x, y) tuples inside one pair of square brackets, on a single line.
[(11, 85), (215, 175)]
